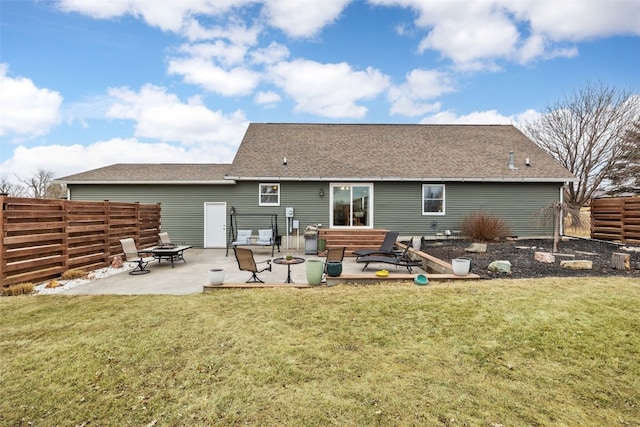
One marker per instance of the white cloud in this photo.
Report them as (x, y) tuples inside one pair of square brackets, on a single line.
[(488, 117), (421, 85), (162, 116), (166, 15), (477, 35), (267, 98), (303, 18), (578, 20), (26, 110), (328, 90), (66, 160), (236, 32), (476, 117), (228, 82), (271, 54)]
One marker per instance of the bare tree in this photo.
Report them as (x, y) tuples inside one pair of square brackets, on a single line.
[(625, 173), (56, 191), (38, 183), (583, 133), (11, 189)]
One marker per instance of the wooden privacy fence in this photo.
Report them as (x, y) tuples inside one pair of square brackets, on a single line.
[(42, 238), (616, 218)]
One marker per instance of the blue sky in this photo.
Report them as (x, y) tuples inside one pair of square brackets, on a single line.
[(87, 83)]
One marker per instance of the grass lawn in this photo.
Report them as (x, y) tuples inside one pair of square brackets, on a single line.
[(559, 352)]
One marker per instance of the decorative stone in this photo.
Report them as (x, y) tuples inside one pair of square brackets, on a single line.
[(477, 247), (117, 262), (577, 264), (546, 257), (500, 266)]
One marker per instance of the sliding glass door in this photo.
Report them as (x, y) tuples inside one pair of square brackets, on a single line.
[(351, 205)]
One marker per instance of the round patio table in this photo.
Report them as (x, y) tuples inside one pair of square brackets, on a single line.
[(288, 262)]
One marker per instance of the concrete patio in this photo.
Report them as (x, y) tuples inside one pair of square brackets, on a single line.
[(192, 276)]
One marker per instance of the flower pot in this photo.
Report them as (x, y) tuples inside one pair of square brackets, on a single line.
[(334, 268), (461, 266), (216, 276), (314, 271)]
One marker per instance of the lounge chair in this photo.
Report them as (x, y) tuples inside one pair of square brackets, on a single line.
[(386, 248), (401, 260), (246, 262), (132, 254)]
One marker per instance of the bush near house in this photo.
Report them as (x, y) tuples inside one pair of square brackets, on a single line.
[(484, 227)]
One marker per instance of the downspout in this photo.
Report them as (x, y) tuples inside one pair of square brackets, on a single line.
[(562, 215)]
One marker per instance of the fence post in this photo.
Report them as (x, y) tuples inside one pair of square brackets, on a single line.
[(2, 261)]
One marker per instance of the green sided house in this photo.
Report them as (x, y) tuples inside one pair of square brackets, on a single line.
[(414, 179)]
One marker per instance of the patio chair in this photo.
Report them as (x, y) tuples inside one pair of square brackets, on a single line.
[(334, 254), (132, 254), (386, 248), (401, 260), (246, 262), (164, 238)]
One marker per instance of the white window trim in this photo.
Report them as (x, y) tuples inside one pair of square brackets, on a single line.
[(271, 184), (371, 204), (444, 200)]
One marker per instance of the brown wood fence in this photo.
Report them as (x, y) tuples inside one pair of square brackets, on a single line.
[(42, 238), (616, 218)]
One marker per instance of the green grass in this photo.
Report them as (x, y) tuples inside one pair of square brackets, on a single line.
[(560, 352)]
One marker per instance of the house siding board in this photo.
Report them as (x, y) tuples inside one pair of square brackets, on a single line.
[(397, 206), (182, 206)]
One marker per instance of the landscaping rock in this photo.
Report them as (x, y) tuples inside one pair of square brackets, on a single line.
[(544, 257), (477, 247), (500, 266), (577, 264)]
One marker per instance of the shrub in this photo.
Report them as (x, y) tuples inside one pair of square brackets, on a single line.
[(73, 274), (17, 289), (484, 227)]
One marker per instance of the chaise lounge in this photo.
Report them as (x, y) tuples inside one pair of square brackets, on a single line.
[(401, 260), (386, 248)]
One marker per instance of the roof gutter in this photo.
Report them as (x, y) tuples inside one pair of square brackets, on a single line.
[(400, 179), (167, 182)]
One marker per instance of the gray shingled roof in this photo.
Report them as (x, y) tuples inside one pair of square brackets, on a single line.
[(391, 152), (175, 173)]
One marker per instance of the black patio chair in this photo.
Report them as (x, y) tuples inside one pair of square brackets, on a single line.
[(402, 260), (386, 248)]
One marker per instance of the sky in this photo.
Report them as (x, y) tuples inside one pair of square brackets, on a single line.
[(89, 83)]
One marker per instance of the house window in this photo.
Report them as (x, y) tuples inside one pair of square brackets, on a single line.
[(432, 199), (269, 194), (352, 205)]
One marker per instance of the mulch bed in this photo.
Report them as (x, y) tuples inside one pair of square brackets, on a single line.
[(520, 253)]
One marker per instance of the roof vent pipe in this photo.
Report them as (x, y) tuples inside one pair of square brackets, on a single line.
[(512, 160)]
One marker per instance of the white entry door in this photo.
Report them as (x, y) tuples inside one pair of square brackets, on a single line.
[(215, 225)]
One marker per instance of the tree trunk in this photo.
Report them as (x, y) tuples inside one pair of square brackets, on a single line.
[(620, 261)]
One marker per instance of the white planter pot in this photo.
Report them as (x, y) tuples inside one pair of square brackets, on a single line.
[(216, 276), (461, 266)]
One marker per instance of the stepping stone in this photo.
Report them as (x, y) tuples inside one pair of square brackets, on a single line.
[(546, 257), (477, 247), (578, 264)]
